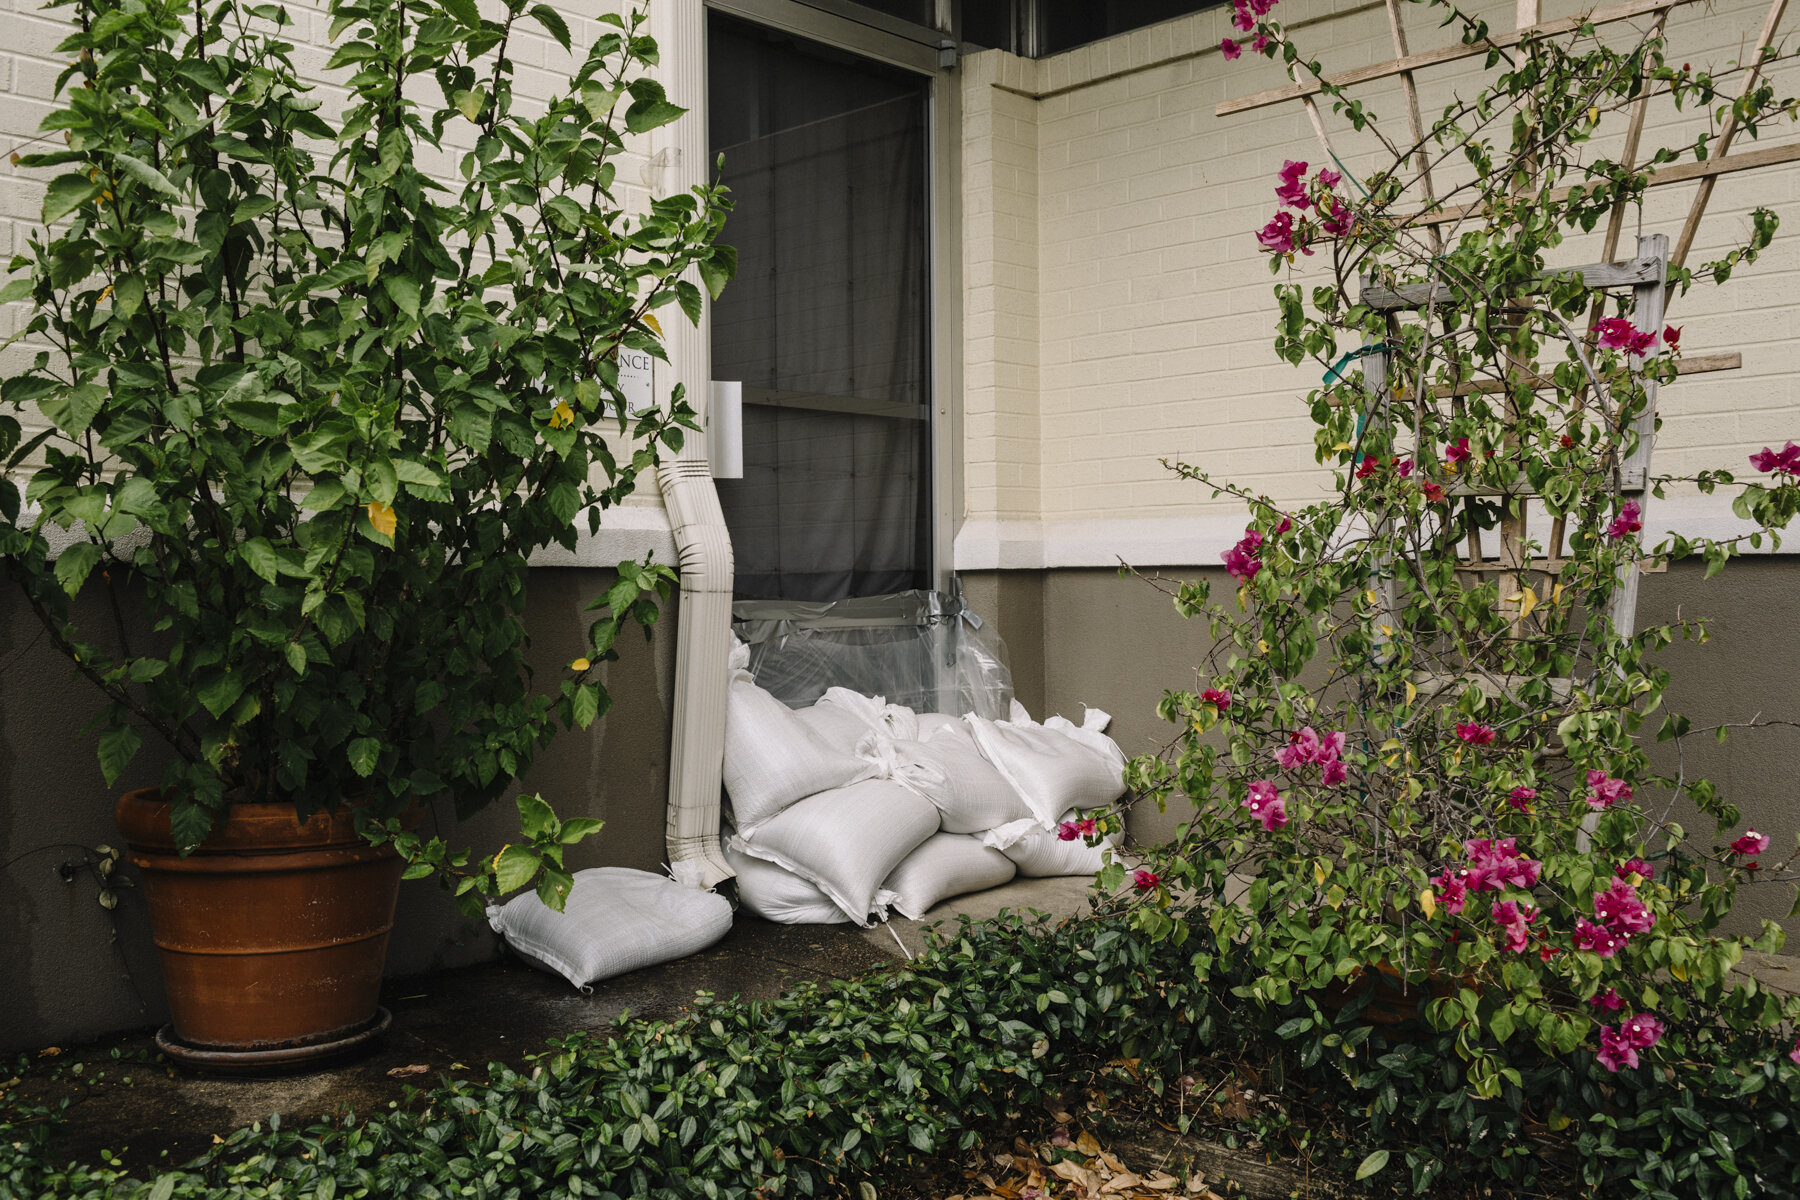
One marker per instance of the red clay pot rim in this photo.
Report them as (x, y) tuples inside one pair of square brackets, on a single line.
[(251, 828)]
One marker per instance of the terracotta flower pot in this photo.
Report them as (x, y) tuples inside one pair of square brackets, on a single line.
[(272, 934)]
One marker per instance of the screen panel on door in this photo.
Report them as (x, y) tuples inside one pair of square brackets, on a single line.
[(826, 322)]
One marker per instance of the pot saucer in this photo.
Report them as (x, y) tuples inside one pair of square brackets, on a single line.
[(273, 1059)]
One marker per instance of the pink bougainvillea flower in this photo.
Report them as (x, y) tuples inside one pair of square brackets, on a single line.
[(1402, 466), (1630, 520), (1433, 493), (1498, 864), (1261, 44), (1219, 698), (1515, 921), (1619, 907), (1609, 1000), (1368, 466), (1795, 1052), (1086, 827), (1287, 523), (1292, 189), (1242, 17), (1634, 866), (1785, 461), (1616, 1051), (1458, 451), (1145, 880), (1266, 805), (1521, 798), (1241, 561), (1066, 832), (1642, 1031), (1751, 843), (1475, 733), (1606, 791), (1672, 336), (1230, 49), (1598, 938), (1277, 236), (1329, 177), (1452, 891), (1617, 333), (1333, 773)]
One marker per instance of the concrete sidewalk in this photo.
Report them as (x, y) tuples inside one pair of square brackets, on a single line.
[(456, 1022)]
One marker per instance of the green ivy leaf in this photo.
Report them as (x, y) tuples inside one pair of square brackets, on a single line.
[(1372, 1164)]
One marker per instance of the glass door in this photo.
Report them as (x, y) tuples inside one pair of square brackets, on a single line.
[(827, 322)]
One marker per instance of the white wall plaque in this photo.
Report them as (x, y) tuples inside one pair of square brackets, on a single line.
[(637, 379)]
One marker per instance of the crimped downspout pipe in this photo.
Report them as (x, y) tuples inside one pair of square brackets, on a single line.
[(703, 633)]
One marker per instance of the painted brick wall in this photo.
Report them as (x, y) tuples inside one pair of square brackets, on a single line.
[(1153, 306)]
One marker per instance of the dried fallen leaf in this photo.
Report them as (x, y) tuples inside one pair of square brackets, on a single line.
[(1121, 1182), (1087, 1143), (50, 1052), (1162, 1181), (403, 1072), (1077, 1174), (1113, 1162)]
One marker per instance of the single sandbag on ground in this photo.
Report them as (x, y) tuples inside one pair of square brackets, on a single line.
[(970, 793), (947, 864), (1054, 768), (616, 920), (773, 758), (846, 840), (1039, 852), (777, 894)]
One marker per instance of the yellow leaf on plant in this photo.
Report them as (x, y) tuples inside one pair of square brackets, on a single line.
[(563, 416), (1263, 645), (1372, 596), (1343, 446), (653, 323), (382, 518), (1527, 601), (1411, 692), (1319, 872), (1679, 971), (1428, 902), (1386, 630), (1594, 113), (580, 664)]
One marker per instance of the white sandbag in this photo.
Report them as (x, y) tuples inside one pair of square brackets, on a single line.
[(932, 725), (845, 841), (773, 758), (1054, 769), (893, 720), (616, 920), (777, 894), (837, 726), (969, 791), (1038, 852), (947, 864)]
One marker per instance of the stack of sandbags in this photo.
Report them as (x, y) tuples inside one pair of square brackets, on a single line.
[(854, 806)]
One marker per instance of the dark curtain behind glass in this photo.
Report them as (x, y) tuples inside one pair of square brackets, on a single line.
[(825, 324)]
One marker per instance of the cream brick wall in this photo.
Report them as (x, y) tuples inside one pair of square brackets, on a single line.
[(29, 64), (1154, 311)]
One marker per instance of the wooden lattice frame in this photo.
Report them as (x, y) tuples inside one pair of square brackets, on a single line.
[(1644, 274)]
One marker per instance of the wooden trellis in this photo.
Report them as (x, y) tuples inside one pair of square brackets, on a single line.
[(1645, 275)]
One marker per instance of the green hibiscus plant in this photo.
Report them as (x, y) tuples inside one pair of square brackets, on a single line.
[(312, 367), (1414, 772)]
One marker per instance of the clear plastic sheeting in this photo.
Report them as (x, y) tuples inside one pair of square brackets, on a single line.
[(922, 649)]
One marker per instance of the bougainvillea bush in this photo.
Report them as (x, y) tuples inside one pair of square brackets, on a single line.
[(1420, 773)]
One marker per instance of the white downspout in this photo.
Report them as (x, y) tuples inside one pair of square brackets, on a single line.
[(703, 635)]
